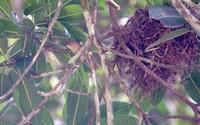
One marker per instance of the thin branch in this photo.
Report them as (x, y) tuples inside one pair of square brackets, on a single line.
[(56, 71), (27, 119), (76, 92), (81, 51), (181, 8), (90, 23), (167, 66), (43, 41), (55, 91), (96, 96), (46, 74)]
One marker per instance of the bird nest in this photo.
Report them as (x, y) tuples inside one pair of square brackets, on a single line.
[(140, 32)]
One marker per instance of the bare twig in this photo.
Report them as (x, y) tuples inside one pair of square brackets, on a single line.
[(76, 92), (81, 51), (90, 23), (27, 119), (56, 71), (43, 41), (55, 91), (96, 96)]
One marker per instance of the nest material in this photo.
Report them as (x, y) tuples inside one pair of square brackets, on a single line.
[(141, 31)]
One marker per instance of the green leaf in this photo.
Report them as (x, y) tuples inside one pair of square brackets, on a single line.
[(168, 16), (119, 108), (5, 84), (35, 8), (144, 102), (61, 57), (27, 25), (29, 99), (47, 118), (24, 46), (122, 120), (38, 67), (23, 62), (12, 115), (31, 2), (157, 96), (75, 32), (171, 35), (158, 2), (40, 64), (5, 7), (76, 106), (6, 26), (71, 13), (3, 45), (23, 52), (2, 122), (16, 50), (192, 86), (53, 3)]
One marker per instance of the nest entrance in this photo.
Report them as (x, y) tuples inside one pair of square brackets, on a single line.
[(141, 31)]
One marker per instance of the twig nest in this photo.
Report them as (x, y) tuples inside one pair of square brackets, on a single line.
[(141, 31)]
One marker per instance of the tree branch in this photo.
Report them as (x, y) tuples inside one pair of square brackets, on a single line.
[(90, 23), (43, 41), (55, 91)]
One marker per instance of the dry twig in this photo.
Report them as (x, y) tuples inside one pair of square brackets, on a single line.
[(43, 41), (90, 23), (55, 91)]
